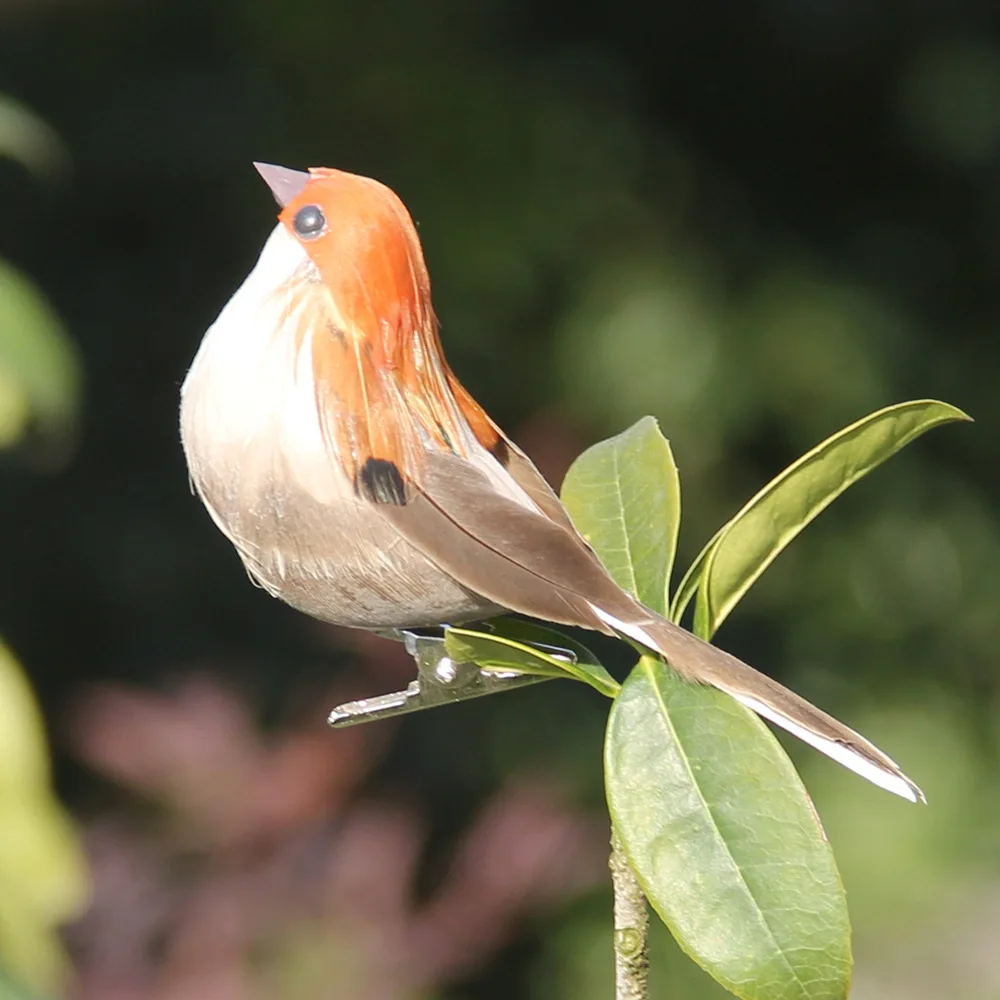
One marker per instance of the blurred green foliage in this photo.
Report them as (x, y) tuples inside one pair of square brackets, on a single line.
[(42, 872), (39, 378), (39, 369), (755, 221), (43, 878)]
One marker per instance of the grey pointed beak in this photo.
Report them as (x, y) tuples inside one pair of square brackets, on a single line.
[(285, 184)]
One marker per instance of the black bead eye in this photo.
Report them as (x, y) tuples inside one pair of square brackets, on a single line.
[(309, 222)]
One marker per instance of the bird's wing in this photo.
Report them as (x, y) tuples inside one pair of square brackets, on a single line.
[(520, 559)]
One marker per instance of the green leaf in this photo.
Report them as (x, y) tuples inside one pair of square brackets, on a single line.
[(738, 554), (43, 878), (624, 496), (724, 840), (509, 647), (711, 812), (531, 632), (39, 370)]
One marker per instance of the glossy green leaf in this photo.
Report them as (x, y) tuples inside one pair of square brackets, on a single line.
[(43, 877), (724, 840), (514, 645), (711, 812), (739, 553), (534, 633), (624, 496)]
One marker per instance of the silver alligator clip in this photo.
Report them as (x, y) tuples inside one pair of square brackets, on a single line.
[(440, 681)]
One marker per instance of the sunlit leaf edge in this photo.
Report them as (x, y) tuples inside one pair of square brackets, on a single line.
[(698, 574), (513, 655)]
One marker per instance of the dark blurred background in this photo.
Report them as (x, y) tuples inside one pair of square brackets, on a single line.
[(757, 221)]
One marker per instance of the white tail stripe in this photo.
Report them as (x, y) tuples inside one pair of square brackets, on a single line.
[(899, 784), (626, 628)]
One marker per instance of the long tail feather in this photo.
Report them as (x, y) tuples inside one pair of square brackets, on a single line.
[(708, 664)]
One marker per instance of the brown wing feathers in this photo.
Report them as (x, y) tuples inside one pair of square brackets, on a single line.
[(499, 548), (521, 560)]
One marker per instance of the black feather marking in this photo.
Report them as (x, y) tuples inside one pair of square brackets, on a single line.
[(380, 481)]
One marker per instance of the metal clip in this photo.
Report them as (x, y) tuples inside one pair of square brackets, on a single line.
[(440, 681)]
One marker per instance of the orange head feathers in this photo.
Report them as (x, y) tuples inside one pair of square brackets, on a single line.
[(362, 241), (378, 356)]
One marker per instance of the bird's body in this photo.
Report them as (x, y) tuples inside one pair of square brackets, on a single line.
[(258, 459), (363, 485)]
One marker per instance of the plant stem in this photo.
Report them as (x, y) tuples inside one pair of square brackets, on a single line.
[(631, 928)]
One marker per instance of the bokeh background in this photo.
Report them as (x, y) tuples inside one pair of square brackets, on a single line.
[(757, 221)]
